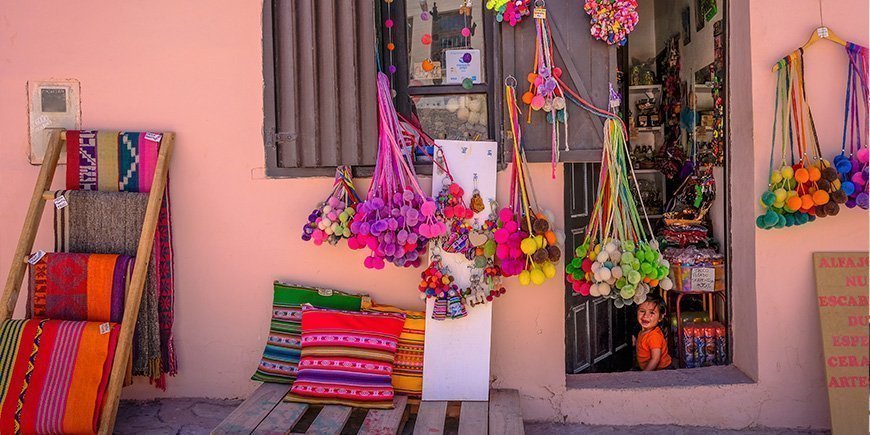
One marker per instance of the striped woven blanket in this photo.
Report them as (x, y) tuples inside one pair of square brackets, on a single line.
[(113, 161), (53, 375), (66, 286)]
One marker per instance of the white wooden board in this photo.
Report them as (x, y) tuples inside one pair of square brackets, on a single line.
[(456, 360)]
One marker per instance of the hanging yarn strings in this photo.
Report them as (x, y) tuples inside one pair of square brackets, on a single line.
[(853, 169), (527, 245), (804, 186), (617, 260), (331, 220), (397, 219), (545, 92)]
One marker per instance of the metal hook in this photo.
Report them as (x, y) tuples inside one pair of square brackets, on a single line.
[(510, 79)]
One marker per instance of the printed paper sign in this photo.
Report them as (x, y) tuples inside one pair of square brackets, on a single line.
[(156, 137), (841, 286), (462, 64), (421, 74), (703, 279)]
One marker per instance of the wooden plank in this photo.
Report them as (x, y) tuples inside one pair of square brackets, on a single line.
[(282, 419), (253, 410), (430, 418), (137, 283), (474, 418), (385, 421), (505, 415), (330, 421), (31, 225)]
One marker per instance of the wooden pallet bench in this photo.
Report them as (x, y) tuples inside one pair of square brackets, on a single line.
[(264, 412)]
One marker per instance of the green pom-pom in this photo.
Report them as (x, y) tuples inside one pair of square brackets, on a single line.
[(620, 283), (577, 263), (634, 277), (770, 218), (759, 222), (489, 248), (578, 274), (581, 251), (570, 268), (628, 246), (789, 220), (646, 268), (768, 198)]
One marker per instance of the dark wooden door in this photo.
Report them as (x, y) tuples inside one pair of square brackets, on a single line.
[(597, 334)]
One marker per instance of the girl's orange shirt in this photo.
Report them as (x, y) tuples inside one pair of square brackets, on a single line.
[(652, 340)]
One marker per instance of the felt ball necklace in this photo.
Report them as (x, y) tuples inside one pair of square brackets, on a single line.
[(391, 45)]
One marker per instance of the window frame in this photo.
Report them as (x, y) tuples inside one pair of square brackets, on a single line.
[(404, 92)]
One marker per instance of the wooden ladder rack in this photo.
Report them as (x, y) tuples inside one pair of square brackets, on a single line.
[(143, 255)]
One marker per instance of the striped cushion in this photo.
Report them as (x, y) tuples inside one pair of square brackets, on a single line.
[(347, 358), (408, 369), (281, 356)]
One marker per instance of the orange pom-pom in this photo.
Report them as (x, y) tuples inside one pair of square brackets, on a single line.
[(806, 202), (531, 77), (821, 197), (653, 282), (646, 279), (527, 97), (815, 174), (793, 203), (802, 175), (551, 238)]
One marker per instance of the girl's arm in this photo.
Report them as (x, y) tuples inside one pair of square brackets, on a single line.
[(656, 356)]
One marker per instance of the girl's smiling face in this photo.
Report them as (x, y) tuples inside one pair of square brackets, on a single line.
[(648, 315)]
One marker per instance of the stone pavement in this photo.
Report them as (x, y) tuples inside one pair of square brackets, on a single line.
[(199, 416)]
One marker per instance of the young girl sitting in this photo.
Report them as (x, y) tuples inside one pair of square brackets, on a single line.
[(652, 349)]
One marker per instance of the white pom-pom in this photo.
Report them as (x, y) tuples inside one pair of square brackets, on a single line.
[(549, 216), (654, 244), (602, 257), (474, 104), (596, 266), (666, 283), (665, 263), (610, 247), (596, 276), (593, 290), (616, 272), (639, 298), (453, 104), (604, 273), (560, 237), (615, 256), (462, 113), (604, 289)]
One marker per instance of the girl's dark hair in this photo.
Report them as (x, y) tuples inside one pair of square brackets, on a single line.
[(659, 302)]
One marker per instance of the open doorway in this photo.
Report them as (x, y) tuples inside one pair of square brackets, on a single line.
[(672, 81)]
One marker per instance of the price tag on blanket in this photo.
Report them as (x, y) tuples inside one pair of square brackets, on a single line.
[(105, 328), (60, 202), (36, 257)]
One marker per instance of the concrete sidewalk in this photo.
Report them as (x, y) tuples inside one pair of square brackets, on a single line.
[(199, 416)]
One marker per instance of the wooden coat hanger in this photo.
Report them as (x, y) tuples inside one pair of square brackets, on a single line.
[(820, 33)]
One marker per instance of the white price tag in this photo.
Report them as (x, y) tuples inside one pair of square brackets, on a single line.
[(36, 257), (703, 279), (154, 136), (823, 32), (60, 202), (539, 13), (105, 328), (324, 292)]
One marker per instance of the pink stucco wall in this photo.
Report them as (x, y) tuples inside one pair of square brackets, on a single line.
[(195, 68)]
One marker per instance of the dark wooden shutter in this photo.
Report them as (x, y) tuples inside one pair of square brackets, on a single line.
[(588, 66), (321, 92)]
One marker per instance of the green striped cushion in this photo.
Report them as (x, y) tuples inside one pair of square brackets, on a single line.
[(283, 347)]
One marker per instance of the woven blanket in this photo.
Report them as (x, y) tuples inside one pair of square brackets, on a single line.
[(347, 358), (110, 222), (408, 369), (53, 375), (112, 161), (65, 286)]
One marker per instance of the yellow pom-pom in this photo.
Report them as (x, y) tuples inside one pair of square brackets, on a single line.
[(524, 277), (528, 246), (549, 269), (775, 177), (787, 172), (537, 276), (780, 194)]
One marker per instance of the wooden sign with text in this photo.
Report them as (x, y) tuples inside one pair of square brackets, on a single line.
[(842, 287)]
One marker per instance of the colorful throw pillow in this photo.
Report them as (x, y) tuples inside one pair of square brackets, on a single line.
[(347, 358), (54, 374), (408, 369), (281, 356)]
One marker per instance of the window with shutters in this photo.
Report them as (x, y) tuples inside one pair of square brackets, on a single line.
[(321, 59)]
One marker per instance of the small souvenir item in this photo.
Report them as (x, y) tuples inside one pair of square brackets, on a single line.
[(331, 220), (807, 186), (617, 260), (437, 282), (527, 244), (612, 20), (476, 204), (509, 11), (852, 169), (397, 219)]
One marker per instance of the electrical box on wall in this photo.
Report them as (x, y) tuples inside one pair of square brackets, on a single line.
[(52, 104)]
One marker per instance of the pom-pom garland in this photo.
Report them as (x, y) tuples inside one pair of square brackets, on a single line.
[(616, 260), (853, 170), (509, 11), (330, 220), (526, 243), (397, 220), (612, 20)]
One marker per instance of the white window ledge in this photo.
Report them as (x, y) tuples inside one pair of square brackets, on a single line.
[(722, 375)]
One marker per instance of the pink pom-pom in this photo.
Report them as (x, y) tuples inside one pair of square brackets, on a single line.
[(428, 208), (505, 214), (511, 226), (502, 252), (863, 155)]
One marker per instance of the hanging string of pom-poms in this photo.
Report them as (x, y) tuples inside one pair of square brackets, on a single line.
[(509, 11), (397, 219), (527, 244), (853, 168), (331, 220), (612, 20), (617, 260), (804, 186)]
